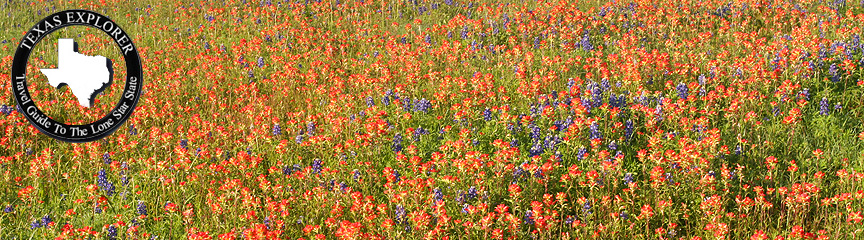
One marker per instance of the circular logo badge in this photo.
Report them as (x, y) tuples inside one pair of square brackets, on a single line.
[(86, 76)]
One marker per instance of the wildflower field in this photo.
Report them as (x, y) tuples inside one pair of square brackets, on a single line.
[(447, 119)]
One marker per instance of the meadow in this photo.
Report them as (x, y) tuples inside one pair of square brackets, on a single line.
[(343, 119)]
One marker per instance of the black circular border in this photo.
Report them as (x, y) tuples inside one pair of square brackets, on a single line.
[(133, 69)]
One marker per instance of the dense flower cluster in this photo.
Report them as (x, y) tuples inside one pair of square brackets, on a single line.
[(452, 120)]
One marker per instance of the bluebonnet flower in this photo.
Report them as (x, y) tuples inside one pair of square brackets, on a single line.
[(5, 109), (472, 192), (604, 85), (316, 166), (299, 138), (602, 12), (535, 131), (142, 208), (112, 232), (534, 110), (276, 129), (356, 175), (287, 170), (184, 143), (518, 172), (805, 93), (441, 133), (623, 215), (529, 217), (551, 142), (423, 105), (330, 184), (628, 178), (567, 122), (8, 209), (104, 184), (668, 177), (487, 115), (438, 195), (613, 145), (385, 100), (370, 102), (581, 154), (260, 61), (400, 214), (464, 33), (596, 95), (682, 90), (397, 143), (586, 43), (106, 158), (419, 132), (46, 220), (659, 111), (132, 130), (310, 129), (123, 178), (617, 101), (823, 106), (536, 149), (396, 176), (837, 4), (406, 104), (36, 224), (343, 186), (97, 209), (514, 143), (586, 208), (595, 132), (833, 71), (569, 220), (586, 103)]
